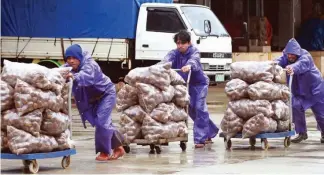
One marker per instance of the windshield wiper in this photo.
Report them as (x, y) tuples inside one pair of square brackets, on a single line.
[(225, 34), (214, 35)]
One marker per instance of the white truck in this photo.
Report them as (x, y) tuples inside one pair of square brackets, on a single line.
[(120, 35)]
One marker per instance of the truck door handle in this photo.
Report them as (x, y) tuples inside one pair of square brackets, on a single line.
[(145, 45)]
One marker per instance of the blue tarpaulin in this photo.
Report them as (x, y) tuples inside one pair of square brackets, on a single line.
[(71, 18)]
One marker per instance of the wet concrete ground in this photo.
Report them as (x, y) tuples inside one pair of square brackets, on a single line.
[(306, 157)]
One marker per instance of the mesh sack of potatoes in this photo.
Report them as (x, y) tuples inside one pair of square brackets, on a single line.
[(181, 96), (6, 93), (34, 74), (27, 98), (236, 89), (280, 75), (130, 129), (282, 125), (253, 71), (21, 142), (64, 141), (136, 113), (281, 110), (231, 124), (175, 78), (153, 130), (65, 96), (162, 112), (54, 123), (259, 124), (30, 122), (150, 96), (156, 75), (268, 91), (246, 108), (178, 114), (126, 97), (4, 141)]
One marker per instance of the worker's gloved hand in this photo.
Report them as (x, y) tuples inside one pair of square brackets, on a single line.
[(186, 68), (290, 70), (69, 75)]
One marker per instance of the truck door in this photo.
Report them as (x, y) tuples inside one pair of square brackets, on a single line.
[(156, 28)]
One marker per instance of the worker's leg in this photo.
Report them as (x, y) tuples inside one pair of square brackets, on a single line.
[(204, 128), (299, 119), (318, 110)]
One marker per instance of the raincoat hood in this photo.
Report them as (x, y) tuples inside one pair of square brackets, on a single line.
[(76, 51), (293, 47)]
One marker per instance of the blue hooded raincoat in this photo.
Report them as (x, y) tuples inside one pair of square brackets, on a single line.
[(95, 97), (307, 86), (204, 128)]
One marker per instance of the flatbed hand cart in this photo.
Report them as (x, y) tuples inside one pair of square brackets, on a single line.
[(30, 160), (264, 136), (155, 147)]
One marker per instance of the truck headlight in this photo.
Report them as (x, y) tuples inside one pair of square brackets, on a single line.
[(205, 66)]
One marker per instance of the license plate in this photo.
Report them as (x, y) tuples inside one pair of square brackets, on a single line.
[(219, 77)]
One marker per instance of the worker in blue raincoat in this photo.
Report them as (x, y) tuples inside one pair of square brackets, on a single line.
[(95, 97), (307, 87), (186, 57)]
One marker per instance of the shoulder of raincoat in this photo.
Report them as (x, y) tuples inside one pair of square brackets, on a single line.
[(192, 58), (90, 85), (307, 80)]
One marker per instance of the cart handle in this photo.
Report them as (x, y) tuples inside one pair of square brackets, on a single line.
[(290, 100), (188, 79), (70, 105)]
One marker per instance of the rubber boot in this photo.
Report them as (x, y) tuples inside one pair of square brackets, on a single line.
[(300, 137), (322, 137)]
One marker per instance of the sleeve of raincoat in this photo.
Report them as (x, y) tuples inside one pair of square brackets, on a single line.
[(170, 57), (194, 61), (86, 76), (281, 61), (302, 65)]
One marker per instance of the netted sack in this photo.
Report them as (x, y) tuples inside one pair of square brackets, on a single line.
[(175, 78), (6, 93), (54, 123), (281, 110), (65, 96), (136, 113), (156, 75), (162, 112), (64, 141), (280, 75), (282, 125), (268, 91), (4, 141), (153, 130), (63, 71), (246, 108), (181, 96), (130, 129), (236, 89), (34, 74), (21, 142), (231, 124), (150, 96), (27, 98), (259, 124), (252, 71), (30, 122), (178, 114), (126, 97)]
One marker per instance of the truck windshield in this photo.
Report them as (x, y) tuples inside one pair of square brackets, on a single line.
[(197, 15)]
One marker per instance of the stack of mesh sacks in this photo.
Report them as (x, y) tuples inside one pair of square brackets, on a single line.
[(258, 100), (34, 108), (153, 104)]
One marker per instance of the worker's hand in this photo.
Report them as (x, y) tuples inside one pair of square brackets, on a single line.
[(69, 75), (290, 70), (186, 68)]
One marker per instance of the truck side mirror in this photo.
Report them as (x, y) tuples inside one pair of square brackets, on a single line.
[(207, 26), (245, 29)]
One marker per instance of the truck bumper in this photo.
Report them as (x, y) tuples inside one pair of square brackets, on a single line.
[(218, 76)]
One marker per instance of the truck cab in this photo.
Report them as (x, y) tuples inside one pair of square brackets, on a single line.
[(158, 23)]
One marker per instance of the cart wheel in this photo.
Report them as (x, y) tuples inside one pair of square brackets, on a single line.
[(66, 161), (228, 143), (33, 166), (152, 151), (126, 148), (252, 142), (287, 142), (183, 146), (264, 144), (158, 149), (26, 163)]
